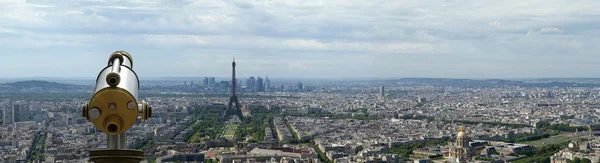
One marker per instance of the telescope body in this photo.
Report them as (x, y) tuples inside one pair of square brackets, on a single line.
[(114, 107), (120, 70)]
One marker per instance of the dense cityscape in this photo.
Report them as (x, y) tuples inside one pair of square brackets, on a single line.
[(336, 81), (399, 120)]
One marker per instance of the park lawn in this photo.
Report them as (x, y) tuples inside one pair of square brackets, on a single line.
[(552, 140), (546, 140), (233, 126), (195, 138), (230, 131), (230, 137)]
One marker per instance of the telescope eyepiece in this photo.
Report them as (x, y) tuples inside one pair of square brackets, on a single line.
[(112, 127), (113, 124), (113, 79)]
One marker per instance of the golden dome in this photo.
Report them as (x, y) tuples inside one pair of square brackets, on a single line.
[(462, 132)]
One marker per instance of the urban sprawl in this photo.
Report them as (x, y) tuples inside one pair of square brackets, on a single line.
[(403, 120)]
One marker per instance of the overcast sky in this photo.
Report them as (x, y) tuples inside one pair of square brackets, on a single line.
[(303, 38)]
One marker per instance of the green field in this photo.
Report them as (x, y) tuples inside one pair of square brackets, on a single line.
[(206, 124), (553, 140), (229, 132), (195, 138)]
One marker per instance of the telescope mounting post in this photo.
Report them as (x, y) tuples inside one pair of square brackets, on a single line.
[(114, 109)]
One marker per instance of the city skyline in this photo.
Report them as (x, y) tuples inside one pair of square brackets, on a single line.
[(504, 115), (333, 39), (262, 81)]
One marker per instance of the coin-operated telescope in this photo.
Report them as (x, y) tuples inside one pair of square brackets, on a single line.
[(114, 108)]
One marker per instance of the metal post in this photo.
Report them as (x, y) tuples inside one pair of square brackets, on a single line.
[(112, 141), (122, 141), (118, 141), (116, 66)]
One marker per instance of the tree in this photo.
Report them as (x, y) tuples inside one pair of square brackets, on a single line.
[(586, 160), (576, 160)]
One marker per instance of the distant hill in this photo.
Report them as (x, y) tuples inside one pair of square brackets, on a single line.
[(41, 86)]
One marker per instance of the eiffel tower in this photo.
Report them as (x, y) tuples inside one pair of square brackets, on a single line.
[(233, 100)]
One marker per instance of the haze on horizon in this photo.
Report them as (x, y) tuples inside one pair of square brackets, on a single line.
[(303, 39)]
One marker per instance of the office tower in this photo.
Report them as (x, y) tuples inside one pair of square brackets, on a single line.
[(211, 82), (381, 91), (8, 115), (248, 85), (300, 86), (185, 83), (191, 83), (238, 85), (259, 85), (267, 84), (21, 113), (251, 84), (281, 88), (224, 86), (205, 84)]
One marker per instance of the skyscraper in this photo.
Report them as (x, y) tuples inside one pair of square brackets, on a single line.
[(267, 85), (259, 85), (8, 115), (21, 113), (238, 85), (381, 91), (248, 85), (205, 84), (251, 84), (300, 86), (224, 86), (211, 82), (15, 113)]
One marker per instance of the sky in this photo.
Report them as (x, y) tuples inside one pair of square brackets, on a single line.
[(303, 39)]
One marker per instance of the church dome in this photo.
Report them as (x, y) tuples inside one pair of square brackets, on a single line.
[(462, 133)]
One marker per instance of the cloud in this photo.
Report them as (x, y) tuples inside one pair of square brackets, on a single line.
[(546, 31), (494, 23), (307, 38)]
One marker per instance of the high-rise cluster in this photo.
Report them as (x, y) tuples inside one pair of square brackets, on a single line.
[(15, 113), (258, 84), (252, 84), (208, 81)]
